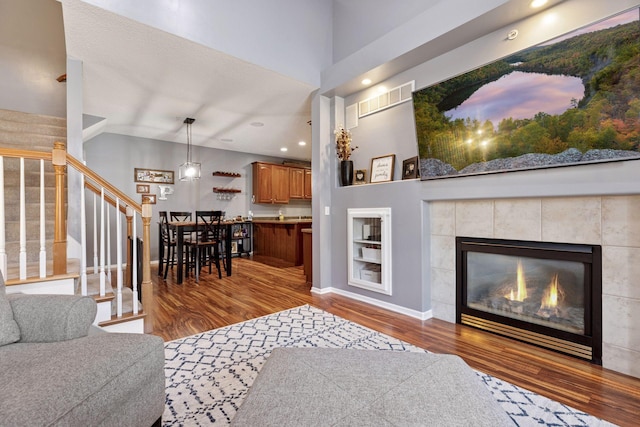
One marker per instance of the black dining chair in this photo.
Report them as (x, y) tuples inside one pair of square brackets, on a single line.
[(168, 243), (205, 249), (180, 216)]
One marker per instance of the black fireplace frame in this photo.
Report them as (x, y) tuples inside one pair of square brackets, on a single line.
[(586, 346)]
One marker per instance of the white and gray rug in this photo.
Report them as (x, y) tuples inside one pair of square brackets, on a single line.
[(209, 374)]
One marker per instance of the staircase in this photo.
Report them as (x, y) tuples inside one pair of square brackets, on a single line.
[(27, 141)]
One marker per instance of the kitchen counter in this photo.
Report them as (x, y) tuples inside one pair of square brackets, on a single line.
[(285, 221), (280, 239)]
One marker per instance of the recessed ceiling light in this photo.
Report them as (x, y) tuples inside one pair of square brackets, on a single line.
[(226, 139), (537, 3), (366, 81), (283, 149), (382, 89), (257, 124), (302, 143)]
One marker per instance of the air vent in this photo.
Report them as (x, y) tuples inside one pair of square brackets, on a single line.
[(395, 96)]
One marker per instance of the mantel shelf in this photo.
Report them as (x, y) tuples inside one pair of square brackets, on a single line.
[(227, 174), (226, 190)]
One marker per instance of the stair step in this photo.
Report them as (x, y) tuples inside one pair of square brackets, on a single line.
[(20, 117), (33, 270), (29, 141), (126, 317), (43, 129)]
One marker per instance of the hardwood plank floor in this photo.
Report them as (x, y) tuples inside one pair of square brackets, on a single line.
[(258, 289)]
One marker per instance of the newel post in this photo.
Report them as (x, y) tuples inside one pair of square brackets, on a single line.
[(147, 286), (59, 161)]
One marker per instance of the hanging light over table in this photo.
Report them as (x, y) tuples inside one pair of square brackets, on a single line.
[(189, 170)]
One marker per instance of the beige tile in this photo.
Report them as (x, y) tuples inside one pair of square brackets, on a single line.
[(620, 271), (621, 322), (443, 285), (443, 252), (621, 360), (443, 218), (443, 311), (474, 218), (518, 219), (572, 220), (620, 224)]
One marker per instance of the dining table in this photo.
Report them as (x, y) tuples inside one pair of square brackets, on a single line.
[(182, 228)]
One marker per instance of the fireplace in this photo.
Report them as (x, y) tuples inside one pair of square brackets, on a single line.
[(547, 294)]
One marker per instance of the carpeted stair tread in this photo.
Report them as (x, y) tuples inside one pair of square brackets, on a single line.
[(93, 289), (33, 268), (20, 117)]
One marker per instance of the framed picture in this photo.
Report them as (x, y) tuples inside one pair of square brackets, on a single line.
[(143, 188), (382, 168), (410, 168), (360, 176), (153, 175), (563, 102), (234, 247), (150, 198)]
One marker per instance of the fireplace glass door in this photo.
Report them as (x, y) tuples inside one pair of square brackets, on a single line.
[(544, 293), (541, 291)]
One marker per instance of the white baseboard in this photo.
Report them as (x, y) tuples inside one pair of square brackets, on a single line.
[(421, 315)]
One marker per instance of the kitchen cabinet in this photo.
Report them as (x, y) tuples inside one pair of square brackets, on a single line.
[(307, 184), (300, 185), (279, 239), (270, 183)]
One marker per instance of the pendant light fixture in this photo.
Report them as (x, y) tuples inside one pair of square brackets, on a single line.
[(189, 170)]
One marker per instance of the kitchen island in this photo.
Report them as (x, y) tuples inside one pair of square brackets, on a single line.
[(281, 239)]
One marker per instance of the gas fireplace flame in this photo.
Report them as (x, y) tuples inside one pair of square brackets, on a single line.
[(520, 293), (552, 294)]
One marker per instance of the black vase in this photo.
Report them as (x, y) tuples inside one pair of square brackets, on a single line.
[(346, 172)]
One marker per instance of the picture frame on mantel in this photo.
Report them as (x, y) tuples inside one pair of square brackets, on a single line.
[(360, 177), (410, 169), (382, 168)]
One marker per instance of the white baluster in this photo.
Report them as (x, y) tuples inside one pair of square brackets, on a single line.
[(108, 225), (134, 269), (43, 229), (3, 241), (118, 258), (95, 234), (103, 285), (83, 239), (23, 225)]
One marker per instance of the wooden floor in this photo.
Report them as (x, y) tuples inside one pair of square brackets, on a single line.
[(257, 289)]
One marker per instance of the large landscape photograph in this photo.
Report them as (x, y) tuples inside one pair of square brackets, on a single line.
[(572, 100)]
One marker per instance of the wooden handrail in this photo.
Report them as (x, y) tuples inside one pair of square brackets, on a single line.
[(27, 154), (80, 167)]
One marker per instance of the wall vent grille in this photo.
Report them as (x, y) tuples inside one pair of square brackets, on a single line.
[(380, 102)]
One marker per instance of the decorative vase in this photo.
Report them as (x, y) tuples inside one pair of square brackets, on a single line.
[(346, 172)]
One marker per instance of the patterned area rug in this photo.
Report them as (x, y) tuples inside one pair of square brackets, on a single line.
[(209, 374)]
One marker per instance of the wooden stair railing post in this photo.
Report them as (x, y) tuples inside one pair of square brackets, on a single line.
[(59, 161), (127, 276), (147, 286)]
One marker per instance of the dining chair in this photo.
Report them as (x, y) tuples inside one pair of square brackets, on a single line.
[(180, 216), (206, 246), (168, 243)]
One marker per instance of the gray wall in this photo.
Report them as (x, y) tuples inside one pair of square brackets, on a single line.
[(392, 131), (115, 156)]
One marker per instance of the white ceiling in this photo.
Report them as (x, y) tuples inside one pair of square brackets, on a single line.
[(145, 82)]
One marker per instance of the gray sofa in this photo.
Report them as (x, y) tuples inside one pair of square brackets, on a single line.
[(54, 371)]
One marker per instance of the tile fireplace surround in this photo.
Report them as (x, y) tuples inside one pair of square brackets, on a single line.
[(610, 221)]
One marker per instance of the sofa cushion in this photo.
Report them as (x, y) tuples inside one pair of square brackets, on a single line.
[(9, 331), (50, 318), (82, 381)]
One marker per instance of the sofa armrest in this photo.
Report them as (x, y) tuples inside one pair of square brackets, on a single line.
[(50, 318)]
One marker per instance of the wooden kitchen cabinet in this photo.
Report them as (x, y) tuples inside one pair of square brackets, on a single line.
[(307, 183), (270, 183), (279, 239), (297, 183)]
